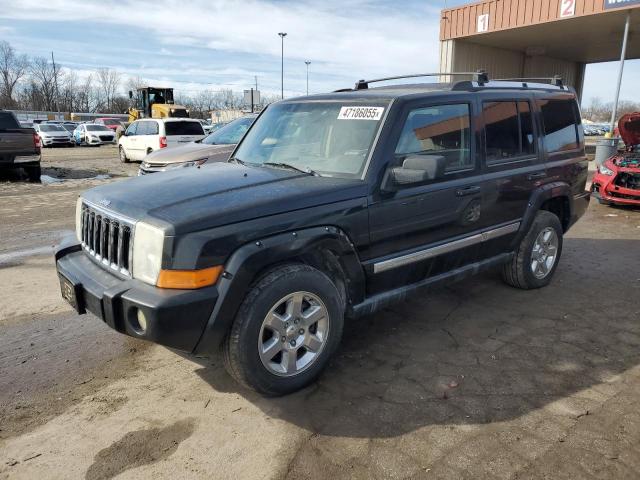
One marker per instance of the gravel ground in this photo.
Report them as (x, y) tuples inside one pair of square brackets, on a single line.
[(476, 380)]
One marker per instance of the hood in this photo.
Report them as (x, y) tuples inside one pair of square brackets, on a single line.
[(629, 128), (189, 152), (217, 194)]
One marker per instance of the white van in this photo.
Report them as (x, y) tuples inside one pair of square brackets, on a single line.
[(150, 134)]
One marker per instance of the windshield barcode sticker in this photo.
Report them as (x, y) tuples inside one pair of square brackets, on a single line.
[(360, 113)]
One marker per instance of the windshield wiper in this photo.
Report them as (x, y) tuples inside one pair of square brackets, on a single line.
[(306, 170), (236, 160)]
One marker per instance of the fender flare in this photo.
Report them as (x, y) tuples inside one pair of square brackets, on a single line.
[(245, 263), (538, 197)]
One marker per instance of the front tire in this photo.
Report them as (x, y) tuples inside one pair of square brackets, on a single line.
[(123, 155), (536, 258), (286, 329)]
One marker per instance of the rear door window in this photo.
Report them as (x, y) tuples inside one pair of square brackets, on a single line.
[(560, 125), (183, 128), (508, 131)]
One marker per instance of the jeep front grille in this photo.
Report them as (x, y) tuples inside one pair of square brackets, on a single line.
[(107, 238)]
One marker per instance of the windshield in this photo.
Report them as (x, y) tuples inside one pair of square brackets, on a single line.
[(52, 128), (111, 121), (68, 127), (97, 128), (330, 138), (231, 133)]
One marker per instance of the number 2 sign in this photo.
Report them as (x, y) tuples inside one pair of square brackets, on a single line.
[(567, 8)]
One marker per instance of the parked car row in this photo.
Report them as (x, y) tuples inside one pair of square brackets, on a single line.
[(596, 129), (69, 134)]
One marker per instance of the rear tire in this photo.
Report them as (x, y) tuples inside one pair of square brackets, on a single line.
[(123, 155), (34, 173), (287, 328), (537, 257)]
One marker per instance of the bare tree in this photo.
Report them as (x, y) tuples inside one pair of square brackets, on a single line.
[(108, 85), (85, 95), (43, 82), (13, 67)]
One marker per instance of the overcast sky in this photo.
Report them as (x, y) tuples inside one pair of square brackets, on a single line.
[(196, 44)]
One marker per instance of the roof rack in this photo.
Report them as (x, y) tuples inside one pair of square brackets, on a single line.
[(556, 80), (480, 76)]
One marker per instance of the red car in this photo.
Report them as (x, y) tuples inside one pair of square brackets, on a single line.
[(618, 180), (110, 123)]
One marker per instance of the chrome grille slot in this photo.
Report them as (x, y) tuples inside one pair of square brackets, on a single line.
[(107, 238)]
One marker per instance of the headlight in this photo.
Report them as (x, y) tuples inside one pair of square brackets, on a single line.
[(195, 163), (605, 171), (148, 242), (79, 219)]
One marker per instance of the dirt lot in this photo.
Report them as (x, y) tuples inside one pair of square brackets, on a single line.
[(473, 381)]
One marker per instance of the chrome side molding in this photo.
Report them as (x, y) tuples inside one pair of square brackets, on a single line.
[(431, 252)]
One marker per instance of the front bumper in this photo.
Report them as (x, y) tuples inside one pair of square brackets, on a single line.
[(603, 187), (175, 318), (99, 141), (52, 141)]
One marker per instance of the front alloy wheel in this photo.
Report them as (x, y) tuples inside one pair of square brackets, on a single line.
[(293, 334), (285, 331)]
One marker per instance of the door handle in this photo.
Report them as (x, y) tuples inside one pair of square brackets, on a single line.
[(534, 176), (463, 192)]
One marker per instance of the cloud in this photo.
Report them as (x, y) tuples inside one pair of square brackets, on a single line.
[(363, 38)]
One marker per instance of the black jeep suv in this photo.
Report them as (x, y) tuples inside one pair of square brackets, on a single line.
[(332, 206)]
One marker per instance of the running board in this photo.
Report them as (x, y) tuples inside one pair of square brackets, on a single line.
[(384, 299)]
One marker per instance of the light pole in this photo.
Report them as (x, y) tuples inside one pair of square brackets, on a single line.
[(307, 62), (282, 35)]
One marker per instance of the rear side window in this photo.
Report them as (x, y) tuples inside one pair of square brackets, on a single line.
[(508, 130), (560, 125), (7, 121), (183, 128)]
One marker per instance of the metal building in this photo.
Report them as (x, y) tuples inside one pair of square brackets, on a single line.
[(537, 38)]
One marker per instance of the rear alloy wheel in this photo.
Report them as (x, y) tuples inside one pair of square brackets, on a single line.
[(286, 329), (536, 258), (123, 155)]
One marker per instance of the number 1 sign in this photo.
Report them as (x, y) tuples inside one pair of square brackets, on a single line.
[(483, 23)]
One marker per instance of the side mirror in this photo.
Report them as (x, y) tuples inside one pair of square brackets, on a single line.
[(415, 169)]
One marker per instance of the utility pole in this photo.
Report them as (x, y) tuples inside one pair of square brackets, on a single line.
[(55, 79), (282, 35), (307, 62), (623, 55)]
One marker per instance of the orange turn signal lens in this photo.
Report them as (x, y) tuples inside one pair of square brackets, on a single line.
[(188, 279)]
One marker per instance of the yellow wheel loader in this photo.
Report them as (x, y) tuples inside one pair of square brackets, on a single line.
[(151, 102)]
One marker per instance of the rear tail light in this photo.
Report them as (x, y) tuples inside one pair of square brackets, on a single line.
[(163, 142), (36, 141)]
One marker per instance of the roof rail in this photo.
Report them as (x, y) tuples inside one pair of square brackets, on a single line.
[(556, 80), (479, 76)]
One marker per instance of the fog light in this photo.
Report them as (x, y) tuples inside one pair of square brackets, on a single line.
[(142, 321)]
